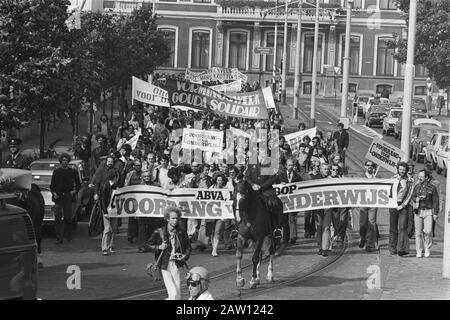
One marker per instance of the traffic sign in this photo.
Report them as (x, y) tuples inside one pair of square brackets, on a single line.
[(263, 50)]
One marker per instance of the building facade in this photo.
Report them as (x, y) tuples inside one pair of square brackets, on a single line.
[(225, 33)]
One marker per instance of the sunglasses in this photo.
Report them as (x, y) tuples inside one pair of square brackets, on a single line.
[(192, 283)]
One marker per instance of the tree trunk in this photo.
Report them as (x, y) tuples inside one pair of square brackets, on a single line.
[(91, 115), (42, 136), (448, 101), (112, 107), (76, 122)]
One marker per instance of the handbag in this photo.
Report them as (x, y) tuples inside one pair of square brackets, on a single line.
[(153, 269)]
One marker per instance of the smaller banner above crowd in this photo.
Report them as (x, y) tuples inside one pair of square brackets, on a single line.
[(210, 141), (250, 105), (337, 193), (230, 87), (384, 154), (147, 93), (295, 139), (150, 202), (216, 74)]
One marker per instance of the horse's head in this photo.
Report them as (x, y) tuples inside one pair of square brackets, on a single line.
[(241, 199)]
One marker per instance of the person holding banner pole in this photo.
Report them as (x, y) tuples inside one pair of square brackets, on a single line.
[(398, 217), (368, 217)]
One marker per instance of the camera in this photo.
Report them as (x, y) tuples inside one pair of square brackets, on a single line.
[(177, 256)]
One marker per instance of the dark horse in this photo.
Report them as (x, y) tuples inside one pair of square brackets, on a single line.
[(253, 220)]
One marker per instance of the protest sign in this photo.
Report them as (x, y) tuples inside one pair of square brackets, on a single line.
[(249, 105), (295, 139), (239, 133), (150, 201), (204, 140), (216, 74), (268, 98), (337, 193), (147, 93), (231, 87), (132, 141), (384, 154)]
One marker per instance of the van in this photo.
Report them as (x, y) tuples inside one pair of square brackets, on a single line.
[(18, 248)]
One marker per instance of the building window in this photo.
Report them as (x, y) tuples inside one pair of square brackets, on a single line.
[(200, 49), (420, 91), (356, 4), (169, 38), (238, 50), (388, 4), (382, 87), (351, 87), (421, 71), (355, 42), (308, 53), (307, 87), (385, 58), (270, 43), (202, 1), (168, 0)]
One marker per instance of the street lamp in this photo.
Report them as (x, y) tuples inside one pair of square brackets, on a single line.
[(346, 66)]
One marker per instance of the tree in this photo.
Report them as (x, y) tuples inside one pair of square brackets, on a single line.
[(33, 51), (432, 38)]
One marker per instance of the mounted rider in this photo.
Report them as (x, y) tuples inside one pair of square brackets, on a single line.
[(261, 176)]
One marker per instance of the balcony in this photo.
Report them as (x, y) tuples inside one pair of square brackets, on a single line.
[(326, 15), (122, 6)]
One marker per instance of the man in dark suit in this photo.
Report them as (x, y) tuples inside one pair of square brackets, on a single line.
[(16, 160), (257, 175), (288, 175), (341, 137)]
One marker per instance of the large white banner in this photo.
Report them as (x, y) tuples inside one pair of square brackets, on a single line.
[(384, 154), (295, 139), (202, 139), (337, 193), (150, 201), (147, 93)]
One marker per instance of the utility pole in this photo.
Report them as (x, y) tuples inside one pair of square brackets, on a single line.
[(314, 68), (283, 79), (346, 66), (275, 40), (297, 62), (446, 258)]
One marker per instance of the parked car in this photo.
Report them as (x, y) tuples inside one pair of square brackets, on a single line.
[(419, 105), (372, 101), (376, 114), (389, 121), (18, 249), (437, 142), (360, 102), (42, 171), (398, 124), (420, 138), (441, 159)]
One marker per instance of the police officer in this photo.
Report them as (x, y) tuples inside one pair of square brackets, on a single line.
[(16, 159), (258, 176)]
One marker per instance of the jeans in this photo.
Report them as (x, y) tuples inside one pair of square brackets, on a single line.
[(368, 226), (340, 221), (143, 233), (323, 224), (423, 222), (411, 228), (398, 230), (310, 226), (109, 231), (63, 210), (172, 281), (132, 231)]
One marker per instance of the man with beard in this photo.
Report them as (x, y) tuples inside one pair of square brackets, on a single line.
[(368, 217), (134, 177), (398, 217)]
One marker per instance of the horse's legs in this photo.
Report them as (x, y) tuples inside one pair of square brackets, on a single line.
[(256, 262), (269, 277), (240, 281)]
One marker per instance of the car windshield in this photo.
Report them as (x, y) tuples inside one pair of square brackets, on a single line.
[(363, 99), (396, 114), (418, 116), (379, 109), (424, 133), (44, 166), (419, 103)]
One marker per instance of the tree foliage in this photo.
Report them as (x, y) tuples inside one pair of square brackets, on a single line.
[(432, 38), (33, 51)]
